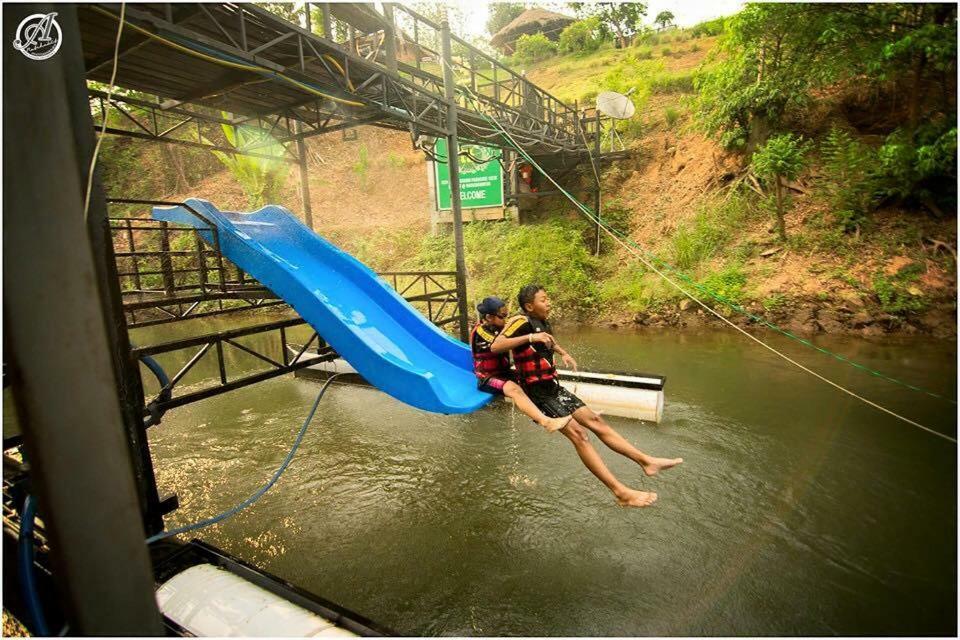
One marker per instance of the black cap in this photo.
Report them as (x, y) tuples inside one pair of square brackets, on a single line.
[(490, 305)]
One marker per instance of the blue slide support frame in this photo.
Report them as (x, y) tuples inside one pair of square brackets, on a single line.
[(391, 344)]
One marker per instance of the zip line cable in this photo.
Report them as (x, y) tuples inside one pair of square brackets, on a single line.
[(636, 252)]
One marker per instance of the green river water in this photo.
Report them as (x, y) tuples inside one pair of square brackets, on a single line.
[(798, 510)]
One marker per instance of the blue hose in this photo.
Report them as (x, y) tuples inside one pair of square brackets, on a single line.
[(165, 393), (25, 557), (262, 490)]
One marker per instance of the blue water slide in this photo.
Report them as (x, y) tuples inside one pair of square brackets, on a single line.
[(387, 341)]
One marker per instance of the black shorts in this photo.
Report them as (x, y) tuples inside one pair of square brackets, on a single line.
[(553, 400)]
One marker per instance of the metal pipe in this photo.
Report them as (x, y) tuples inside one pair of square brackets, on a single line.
[(453, 151), (390, 38), (304, 176)]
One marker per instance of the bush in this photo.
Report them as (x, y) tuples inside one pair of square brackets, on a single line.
[(666, 52), (709, 28), (646, 36), (534, 47), (672, 83), (728, 283), (617, 217), (670, 115), (894, 297), (849, 169), (581, 36), (920, 167), (644, 53), (701, 238)]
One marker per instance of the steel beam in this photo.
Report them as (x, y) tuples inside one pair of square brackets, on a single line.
[(66, 390), (453, 152)]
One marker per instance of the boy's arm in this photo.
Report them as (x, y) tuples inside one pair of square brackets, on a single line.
[(516, 333), (502, 343), (566, 357)]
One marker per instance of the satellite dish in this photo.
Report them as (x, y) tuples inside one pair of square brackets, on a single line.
[(616, 105)]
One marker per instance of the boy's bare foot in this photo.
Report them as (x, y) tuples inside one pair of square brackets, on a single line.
[(659, 464), (555, 424), (632, 498)]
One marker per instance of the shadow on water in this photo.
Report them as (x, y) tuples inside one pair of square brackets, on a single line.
[(798, 511)]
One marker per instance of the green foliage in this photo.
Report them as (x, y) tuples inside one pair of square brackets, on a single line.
[(771, 57), (618, 217), (681, 82), (921, 165), (713, 27), (774, 56), (782, 156), (500, 14), (644, 53), (394, 161), (707, 233), (849, 169), (582, 36), (621, 20), (261, 179), (630, 73), (362, 166), (646, 38), (727, 283), (633, 289), (663, 19), (894, 295), (286, 10), (501, 258), (533, 47), (670, 116), (666, 52), (774, 302)]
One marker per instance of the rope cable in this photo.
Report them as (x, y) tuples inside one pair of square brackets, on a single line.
[(106, 111)]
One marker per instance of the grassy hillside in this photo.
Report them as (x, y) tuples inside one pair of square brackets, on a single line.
[(680, 196)]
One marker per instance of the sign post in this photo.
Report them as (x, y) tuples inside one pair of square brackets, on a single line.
[(481, 183)]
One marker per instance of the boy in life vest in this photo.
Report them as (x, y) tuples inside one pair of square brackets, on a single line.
[(538, 377), (493, 366)]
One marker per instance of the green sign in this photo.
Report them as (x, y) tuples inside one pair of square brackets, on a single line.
[(481, 179)]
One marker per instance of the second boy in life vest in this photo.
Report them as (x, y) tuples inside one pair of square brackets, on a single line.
[(492, 367)]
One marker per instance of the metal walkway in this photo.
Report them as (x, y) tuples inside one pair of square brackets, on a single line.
[(298, 80)]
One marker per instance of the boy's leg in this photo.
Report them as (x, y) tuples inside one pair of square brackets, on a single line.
[(513, 391), (651, 465), (626, 496)]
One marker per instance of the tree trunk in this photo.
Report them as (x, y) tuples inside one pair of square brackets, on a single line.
[(781, 224)]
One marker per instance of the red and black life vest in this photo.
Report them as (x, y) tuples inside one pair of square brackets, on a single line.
[(534, 362), (486, 363)]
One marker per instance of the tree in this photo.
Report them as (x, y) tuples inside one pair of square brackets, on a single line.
[(782, 157), (663, 19), (619, 19), (501, 14), (261, 179), (581, 36)]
